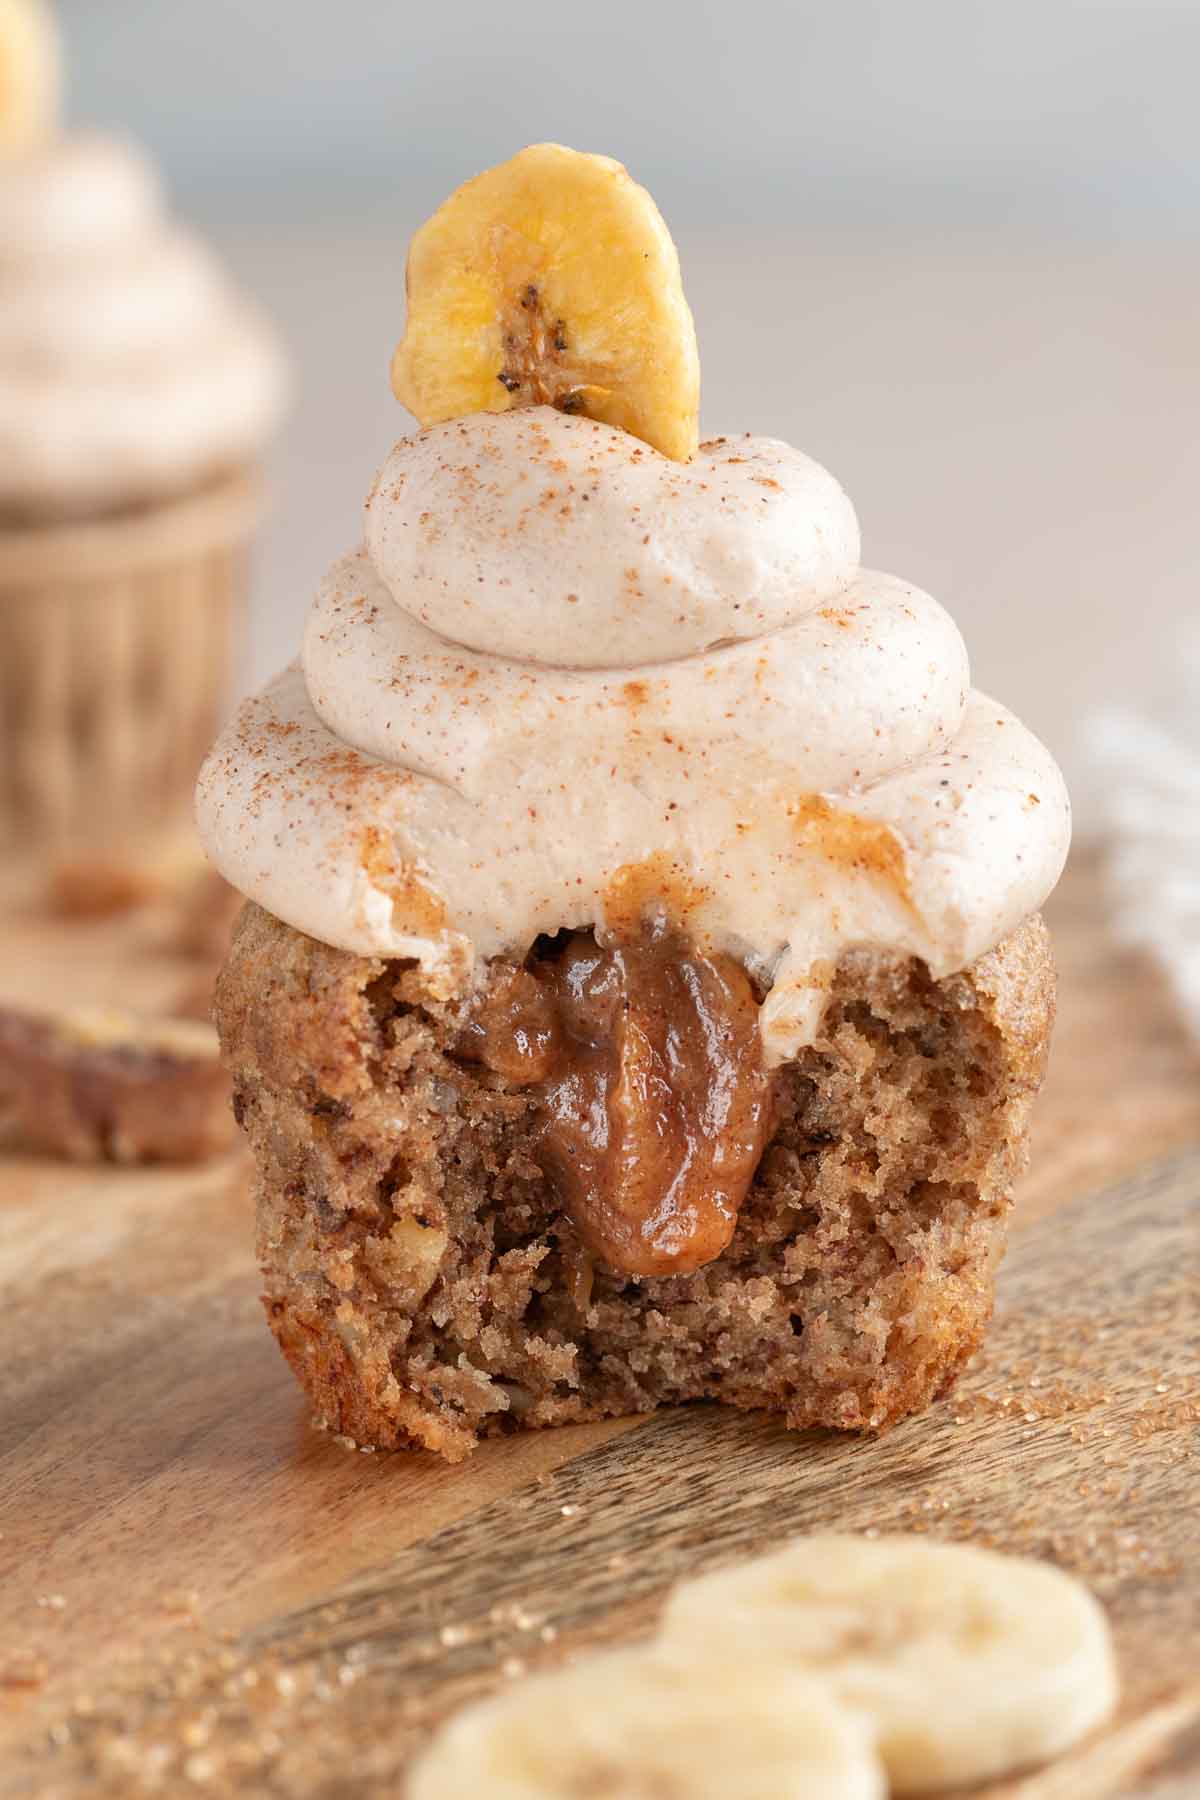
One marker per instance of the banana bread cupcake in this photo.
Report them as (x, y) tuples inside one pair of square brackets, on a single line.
[(642, 992), (137, 392)]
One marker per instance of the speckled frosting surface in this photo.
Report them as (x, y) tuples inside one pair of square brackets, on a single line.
[(567, 680)]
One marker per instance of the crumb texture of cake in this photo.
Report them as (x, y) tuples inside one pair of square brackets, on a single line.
[(428, 1289)]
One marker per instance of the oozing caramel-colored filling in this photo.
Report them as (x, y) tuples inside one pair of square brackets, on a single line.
[(654, 1106)]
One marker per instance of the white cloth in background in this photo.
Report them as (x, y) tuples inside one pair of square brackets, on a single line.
[(1150, 766)]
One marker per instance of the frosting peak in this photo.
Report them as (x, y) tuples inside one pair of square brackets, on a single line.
[(555, 539), (568, 681)]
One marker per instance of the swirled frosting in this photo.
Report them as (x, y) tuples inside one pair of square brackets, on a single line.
[(128, 368), (567, 681)]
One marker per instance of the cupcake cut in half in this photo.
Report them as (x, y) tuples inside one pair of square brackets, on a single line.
[(643, 993)]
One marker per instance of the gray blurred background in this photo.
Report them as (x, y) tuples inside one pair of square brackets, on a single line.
[(950, 248)]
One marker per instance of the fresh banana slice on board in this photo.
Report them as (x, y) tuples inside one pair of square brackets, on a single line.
[(29, 74), (969, 1663), (551, 280), (624, 1727)]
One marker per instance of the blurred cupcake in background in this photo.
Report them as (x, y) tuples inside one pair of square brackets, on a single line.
[(137, 392)]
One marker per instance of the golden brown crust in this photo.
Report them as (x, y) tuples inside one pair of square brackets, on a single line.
[(425, 1287), (111, 1088)]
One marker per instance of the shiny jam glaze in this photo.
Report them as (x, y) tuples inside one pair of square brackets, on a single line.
[(645, 1062)]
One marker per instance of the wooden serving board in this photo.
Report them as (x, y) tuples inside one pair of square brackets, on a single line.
[(199, 1593)]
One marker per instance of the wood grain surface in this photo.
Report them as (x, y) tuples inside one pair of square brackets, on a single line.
[(200, 1593)]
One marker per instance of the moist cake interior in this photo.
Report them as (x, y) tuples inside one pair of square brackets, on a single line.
[(427, 1287)]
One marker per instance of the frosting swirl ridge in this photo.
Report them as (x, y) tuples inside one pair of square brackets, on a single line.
[(568, 682), (554, 539)]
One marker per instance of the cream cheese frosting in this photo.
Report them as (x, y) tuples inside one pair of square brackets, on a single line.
[(568, 680), (128, 367)]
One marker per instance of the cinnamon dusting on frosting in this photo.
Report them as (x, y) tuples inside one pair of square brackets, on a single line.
[(850, 842), (681, 703)]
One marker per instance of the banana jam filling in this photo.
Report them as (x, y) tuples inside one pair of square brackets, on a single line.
[(645, 1063)]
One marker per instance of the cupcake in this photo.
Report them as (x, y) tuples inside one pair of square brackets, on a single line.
[(136, 394), (642, 993)]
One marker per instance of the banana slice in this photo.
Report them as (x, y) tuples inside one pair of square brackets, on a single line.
[(625, 1727), (551, 280), (29, 73), (970, 1664)]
